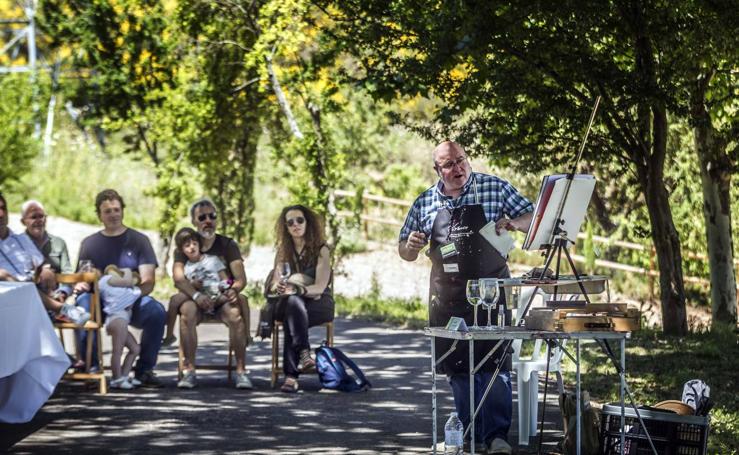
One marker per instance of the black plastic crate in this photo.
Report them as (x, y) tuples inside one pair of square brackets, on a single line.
[(672, 434)]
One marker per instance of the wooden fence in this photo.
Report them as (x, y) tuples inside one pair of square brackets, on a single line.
[(369, 216)]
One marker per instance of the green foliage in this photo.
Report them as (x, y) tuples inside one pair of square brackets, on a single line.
[(16, 136), (407, 313), (77, 170), (120, 49)]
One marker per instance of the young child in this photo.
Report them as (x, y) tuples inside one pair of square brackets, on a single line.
[(119, 292), (206, 272)]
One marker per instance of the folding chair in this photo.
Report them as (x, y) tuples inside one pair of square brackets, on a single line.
[(229, 367), (276, 346), (94, 327)]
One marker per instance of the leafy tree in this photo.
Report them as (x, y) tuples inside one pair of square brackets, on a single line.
[(517, 80), (708, 51), (16, 136), (121, 57)]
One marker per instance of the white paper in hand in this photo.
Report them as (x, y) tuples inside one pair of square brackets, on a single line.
[(504, 242)]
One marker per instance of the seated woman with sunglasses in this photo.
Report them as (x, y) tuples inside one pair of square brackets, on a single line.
[(301, 244)]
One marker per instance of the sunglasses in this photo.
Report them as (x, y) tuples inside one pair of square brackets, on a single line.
[(203, 216), (292, 221)]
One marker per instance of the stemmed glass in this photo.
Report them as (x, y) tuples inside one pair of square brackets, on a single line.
[(473, 297), (490, 293), (284, 271)]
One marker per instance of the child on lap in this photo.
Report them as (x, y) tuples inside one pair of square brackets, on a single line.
[(206, 272)]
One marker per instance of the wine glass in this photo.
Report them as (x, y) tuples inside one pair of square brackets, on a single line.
[(283, 269), (85, 265), (473, 297), (490, 293)]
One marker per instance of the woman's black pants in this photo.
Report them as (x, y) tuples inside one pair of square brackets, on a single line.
[(297, 314)]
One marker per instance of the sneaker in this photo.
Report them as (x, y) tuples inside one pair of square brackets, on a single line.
[(120, 383), (134, 382), (188, 381), (243, 382), (75, 314), (499, 446), (169, 340), (149, 379)]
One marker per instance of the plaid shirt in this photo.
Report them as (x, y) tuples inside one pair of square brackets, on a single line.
[(497, 197)]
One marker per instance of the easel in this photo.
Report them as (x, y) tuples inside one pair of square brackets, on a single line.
[(556, 245)]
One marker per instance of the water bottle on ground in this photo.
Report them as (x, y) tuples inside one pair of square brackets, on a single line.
[(453, 432)]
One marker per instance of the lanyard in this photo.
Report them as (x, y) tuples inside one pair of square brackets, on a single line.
[(12, 264), (447, 203)]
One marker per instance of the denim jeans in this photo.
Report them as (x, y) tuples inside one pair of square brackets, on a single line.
[(494, 419), (149, 316)]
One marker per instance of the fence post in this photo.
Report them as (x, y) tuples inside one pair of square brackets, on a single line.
[(365, 213)]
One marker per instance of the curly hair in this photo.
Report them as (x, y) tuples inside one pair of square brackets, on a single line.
[(314, 238)]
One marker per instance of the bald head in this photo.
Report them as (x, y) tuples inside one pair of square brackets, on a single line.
[(452, 166), (444, 148)]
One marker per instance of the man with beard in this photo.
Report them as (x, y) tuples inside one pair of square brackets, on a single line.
[(449, 216), (194, 304), (126, 248)]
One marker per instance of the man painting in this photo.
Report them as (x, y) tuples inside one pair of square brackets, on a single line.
[(450, 215)]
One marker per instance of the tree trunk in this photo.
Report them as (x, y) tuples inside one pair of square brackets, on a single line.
[(664, 234), (715, 170)]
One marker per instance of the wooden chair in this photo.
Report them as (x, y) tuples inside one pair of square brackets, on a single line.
[(93, 327), (229, 366), (276, 346)]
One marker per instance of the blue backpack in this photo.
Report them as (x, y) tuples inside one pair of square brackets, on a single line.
[(331, 365)]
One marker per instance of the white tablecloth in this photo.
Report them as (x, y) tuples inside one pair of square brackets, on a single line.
[(32, 359)]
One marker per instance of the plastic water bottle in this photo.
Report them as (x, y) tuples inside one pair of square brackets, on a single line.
[(453, 432), (501, 315)]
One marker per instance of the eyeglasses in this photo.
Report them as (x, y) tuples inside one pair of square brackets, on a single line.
[(298, 219), (211, 215), (447, 166)]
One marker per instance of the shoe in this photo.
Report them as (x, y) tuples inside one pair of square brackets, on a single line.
[(134, 382), (75, 314), (243, 382), (290, 385), (149, 379), (307, 364), (169, 340), (188, 381), (120, 383), (499, 446)]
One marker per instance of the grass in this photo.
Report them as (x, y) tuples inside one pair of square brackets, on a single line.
[(657, 366)]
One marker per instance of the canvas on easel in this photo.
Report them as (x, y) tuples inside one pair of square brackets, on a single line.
[(551, 196)]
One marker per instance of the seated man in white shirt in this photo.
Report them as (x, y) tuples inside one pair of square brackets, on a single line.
[(20, 260)]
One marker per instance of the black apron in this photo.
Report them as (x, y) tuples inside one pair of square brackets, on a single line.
[(475, 258)]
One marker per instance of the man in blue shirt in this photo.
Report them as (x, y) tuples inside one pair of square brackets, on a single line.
[(126, 248), (449, 216)]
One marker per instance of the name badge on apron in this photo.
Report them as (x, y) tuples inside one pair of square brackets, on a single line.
[(451, 268), (448, 250)]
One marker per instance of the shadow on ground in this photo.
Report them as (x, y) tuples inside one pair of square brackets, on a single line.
[(393, 417)]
